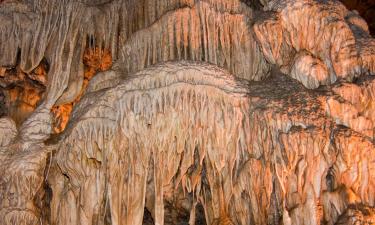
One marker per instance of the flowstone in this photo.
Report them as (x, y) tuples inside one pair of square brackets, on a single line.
[(214, 112)]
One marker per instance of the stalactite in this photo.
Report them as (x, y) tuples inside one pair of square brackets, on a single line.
[(199, 33), (190, 123), (209, 116)]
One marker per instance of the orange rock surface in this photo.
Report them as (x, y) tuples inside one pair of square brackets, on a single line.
[(95, 60)]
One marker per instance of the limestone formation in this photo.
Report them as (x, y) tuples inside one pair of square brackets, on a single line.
[(226, 143), (198, 33), (326, 43), (217, 112)]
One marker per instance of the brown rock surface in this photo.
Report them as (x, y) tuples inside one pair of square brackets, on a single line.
[(366, 9)]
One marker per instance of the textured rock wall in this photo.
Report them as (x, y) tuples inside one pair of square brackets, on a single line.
[(366, 9), (198, 33), (336, 46), (264, 153), (215, 137), (137, 34)]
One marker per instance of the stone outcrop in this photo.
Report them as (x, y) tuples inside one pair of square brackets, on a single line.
[(212, 112)]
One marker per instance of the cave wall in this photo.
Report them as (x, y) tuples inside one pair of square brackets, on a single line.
[(20, 98), (366, 9), (210, 112)]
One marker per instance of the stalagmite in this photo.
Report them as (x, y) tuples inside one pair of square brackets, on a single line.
[(217, 112)]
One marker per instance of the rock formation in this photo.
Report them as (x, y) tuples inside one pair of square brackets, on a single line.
[(210, 112), (327, 43), (366, 9)]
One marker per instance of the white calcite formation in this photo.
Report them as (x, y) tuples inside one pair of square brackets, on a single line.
[(138, 33), (248, 153), (199, 33), (8, 131), (195, 123)]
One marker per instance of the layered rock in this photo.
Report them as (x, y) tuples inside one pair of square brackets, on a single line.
[(352, 106), (25, 172)]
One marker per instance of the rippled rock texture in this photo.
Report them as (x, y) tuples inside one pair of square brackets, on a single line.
[(217, 112)]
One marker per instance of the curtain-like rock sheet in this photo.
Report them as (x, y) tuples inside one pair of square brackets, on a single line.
[(249, 153), (137, 34), (56, 30), (199, 33)]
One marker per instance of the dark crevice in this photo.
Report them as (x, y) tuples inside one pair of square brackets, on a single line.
[(147, 218), (3, 108), (254, 4), (200, 218), (330, 179), (44, 196)]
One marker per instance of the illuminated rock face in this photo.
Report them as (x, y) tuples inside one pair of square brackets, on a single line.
[(210, 112), (327, 43), (365, 8)]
